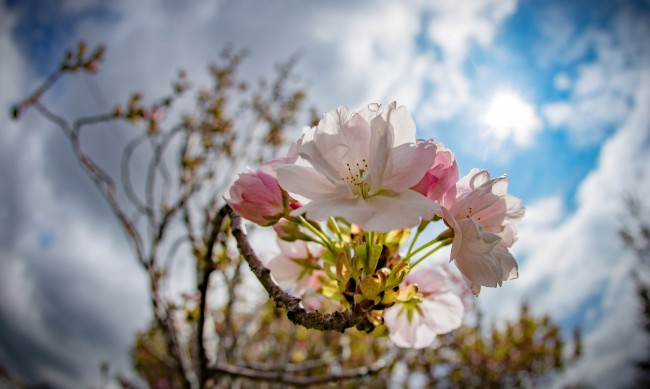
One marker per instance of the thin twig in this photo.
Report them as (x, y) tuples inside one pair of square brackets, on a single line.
[(125, 170)]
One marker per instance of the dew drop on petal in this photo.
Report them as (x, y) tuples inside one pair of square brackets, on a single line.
[(373, 107)]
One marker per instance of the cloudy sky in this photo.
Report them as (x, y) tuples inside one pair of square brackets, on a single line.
[(553, 93)]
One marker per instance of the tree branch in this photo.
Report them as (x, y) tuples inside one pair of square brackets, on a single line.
[(291, 379), (209, 267), (336, 321)]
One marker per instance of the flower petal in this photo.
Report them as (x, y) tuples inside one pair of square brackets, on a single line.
[(507, 262), (405, 333), (402, 210), (429, 279), (443, 312), (284, 271), (353, 209), (341, 138), (402, 121), (409, 163), (304, 181), (475, 259)]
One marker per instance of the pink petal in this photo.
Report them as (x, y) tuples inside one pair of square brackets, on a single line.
[(409, 163), (402, 210), (443, 312), (304, 181), (475, 260), (507, 262), (284, 271), (430, 280)]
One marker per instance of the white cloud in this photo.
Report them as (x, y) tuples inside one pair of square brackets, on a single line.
[(455, 28), (601, 92), (562, 81), (570, 260)]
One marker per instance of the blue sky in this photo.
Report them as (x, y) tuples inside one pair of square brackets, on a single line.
[(551, 93)]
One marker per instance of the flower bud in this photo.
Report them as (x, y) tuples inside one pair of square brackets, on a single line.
[(441, 177), (258, 197)]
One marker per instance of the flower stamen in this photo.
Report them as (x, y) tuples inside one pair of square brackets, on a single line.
[(355, 178)]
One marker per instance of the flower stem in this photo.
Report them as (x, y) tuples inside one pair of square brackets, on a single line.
[(442, 244), (337, 229), (415, 238), (324, 239), (445, 235)]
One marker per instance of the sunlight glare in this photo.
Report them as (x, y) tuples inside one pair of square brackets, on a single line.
[(511, 116)]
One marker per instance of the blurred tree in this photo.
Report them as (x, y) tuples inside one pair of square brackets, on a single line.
[(635, 233), (222, 333)]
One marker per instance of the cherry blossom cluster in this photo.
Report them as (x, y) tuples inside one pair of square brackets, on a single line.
[(344, 203)]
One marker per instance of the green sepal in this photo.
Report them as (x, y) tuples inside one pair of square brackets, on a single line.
[(396, 239), (371, 286), (343, 268), (398, 273), (329, 257)]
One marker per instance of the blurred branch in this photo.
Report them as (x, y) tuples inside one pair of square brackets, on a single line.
[(107, 187), (208, 268), (282, 377)]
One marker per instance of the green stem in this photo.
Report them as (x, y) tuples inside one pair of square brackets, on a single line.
[(415, 238), (445, 235), (442, 244), (324, 239), (337, 229)]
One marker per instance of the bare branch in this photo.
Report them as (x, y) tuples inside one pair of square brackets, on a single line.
[(125, 169), (106, 186), (336, 321), (209, 267), (102, 180), (283, 377)]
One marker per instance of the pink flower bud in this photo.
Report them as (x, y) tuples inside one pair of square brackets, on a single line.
[(441, 177), (258, 197)]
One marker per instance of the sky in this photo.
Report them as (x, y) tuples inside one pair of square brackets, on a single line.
[(552, 93)]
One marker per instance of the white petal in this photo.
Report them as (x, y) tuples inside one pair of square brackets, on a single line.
[(352, 209), (402, 210), (284, 271), (475, 259), (463, 185), (381, 145), (402, 122), (370, 111), (337, 141), (433, 279), (508, 236), (514, 210), (507, 262), (413, 334), (479, 178), (304, 181), (295, 250), (443, 312), (409, 163)]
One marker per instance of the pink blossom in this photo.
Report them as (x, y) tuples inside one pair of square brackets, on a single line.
[(481, 215), (294, 265), (311, 299), (258, 197), (432, 311), (441, 177), (361, 166)]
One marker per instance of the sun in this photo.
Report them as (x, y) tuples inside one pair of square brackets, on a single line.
[(510, 116)]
